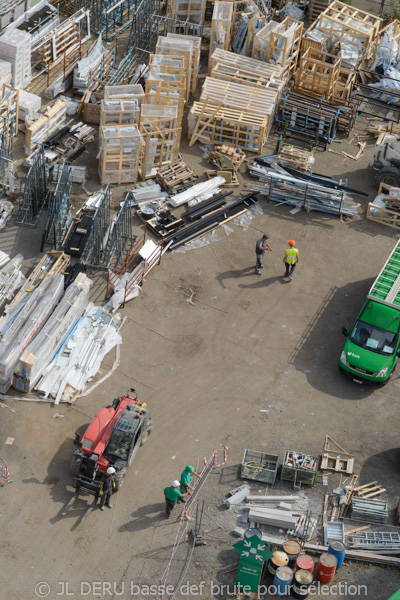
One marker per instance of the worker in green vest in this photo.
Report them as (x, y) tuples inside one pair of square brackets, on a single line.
[(185, 480), (172, 493), (291, 259)]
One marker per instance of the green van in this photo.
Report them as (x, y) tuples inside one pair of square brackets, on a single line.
[(371, 351)]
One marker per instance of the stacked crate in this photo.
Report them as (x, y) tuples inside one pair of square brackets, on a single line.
[(15, 47), (221, 26), (161, 134), (186, 10)]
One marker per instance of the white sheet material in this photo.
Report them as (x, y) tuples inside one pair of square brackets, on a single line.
[(197, 191)]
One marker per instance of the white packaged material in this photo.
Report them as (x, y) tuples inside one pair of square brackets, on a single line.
[(27, 323), (15, 47), (197, 191), (38, 354), (5, 72), (27, 104), (11, 278)]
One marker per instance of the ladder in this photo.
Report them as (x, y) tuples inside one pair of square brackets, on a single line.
[(386, 287), (379, 542)]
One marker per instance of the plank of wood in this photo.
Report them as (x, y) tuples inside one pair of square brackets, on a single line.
[(357, 529), (325, 509), (357, 555)]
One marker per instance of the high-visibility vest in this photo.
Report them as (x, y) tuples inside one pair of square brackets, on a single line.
[(291, 255)]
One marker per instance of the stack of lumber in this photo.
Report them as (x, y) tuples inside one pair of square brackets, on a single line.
[(279, 43), (52, 119)]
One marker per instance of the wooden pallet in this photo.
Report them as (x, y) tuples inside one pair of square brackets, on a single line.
[(335, 458), (176, 176), (318, 74), (226, 155), (369, 490), (295, 157)]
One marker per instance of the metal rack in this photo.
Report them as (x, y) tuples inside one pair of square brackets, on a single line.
[(35, 191), (59, 212)]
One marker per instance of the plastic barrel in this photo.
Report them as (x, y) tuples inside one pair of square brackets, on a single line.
[(250, 531), (301, 584), (338, 549), (305, 562), (326, 567), (279, 559), (282, 580), (292, 549)]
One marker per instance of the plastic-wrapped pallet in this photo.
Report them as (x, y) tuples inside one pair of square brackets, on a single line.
[(25, 322), (11, 279), (41, 351), (27, 103), (5, 72), (15, 47), (84, 68)]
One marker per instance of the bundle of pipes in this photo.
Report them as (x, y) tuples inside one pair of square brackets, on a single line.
[(284, 188)]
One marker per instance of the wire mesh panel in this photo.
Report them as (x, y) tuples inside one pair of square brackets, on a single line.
[(35, 191)]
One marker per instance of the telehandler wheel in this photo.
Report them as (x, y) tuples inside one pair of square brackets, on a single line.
[(76, 465), (119, 478), (390, 176)]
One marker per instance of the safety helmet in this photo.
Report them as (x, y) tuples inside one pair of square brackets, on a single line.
[(291, 243), (110, 471), (175, 483)]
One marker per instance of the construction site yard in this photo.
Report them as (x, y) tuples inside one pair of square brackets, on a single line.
[(222, 357)]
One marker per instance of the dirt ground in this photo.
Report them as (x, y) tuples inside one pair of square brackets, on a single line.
[(251, 362)]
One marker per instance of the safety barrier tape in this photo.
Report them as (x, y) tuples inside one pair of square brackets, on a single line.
[(208, 465)]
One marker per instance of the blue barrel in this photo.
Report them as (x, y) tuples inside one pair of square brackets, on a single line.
[(337, 549), (279, 559), (283, 580), (250, 531)]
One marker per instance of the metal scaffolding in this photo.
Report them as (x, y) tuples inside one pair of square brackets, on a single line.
[(59, 212), (35, 191), (109, 239)]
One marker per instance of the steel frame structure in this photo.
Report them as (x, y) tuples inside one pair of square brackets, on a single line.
[(35, 191), (59, 212)]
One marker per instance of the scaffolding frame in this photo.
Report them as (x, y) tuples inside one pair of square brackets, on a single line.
[(120, 239), (59, 212), (35, 191)]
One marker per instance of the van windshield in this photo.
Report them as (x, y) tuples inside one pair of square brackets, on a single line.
[(373, 338)]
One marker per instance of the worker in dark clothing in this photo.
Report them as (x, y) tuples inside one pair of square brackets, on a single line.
[(172, 494), (106, 487), (261, 246)]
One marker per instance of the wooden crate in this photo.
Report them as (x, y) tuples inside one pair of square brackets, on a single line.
[(318, 74), (161, 137), (167, 69), (50, 121), (178, 48), (248, 20), (196, 49), (221, 26), (280, 45), (216, 125), (316, 7), (240, 76), (383, 215), (132, 91), (9, 115), (345, 84), (263, 70), (341, 20), (186, 10), (163, 96), (120, 147), (119, 112), (393, 29), (259, 100)]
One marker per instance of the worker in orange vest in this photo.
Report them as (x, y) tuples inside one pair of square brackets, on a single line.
[(291, 259)]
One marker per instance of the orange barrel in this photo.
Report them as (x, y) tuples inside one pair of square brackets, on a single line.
[(279, 559), (305, 562), (292, 549), (301, 584), (326, 567)]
